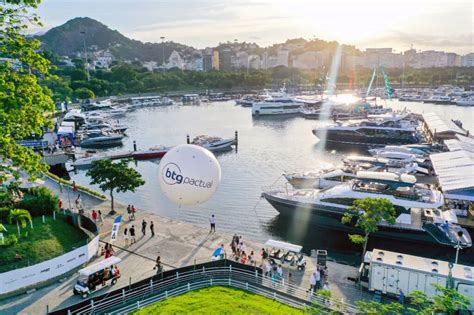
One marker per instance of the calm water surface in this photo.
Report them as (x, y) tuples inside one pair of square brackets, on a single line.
[(267, 148)]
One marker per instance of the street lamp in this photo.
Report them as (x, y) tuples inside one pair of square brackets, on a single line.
[(85, 55), (163, 53), (458, 246)]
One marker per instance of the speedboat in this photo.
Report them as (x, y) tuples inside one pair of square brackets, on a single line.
[(465, 101), (101, 139), (418, 214), (439, 99), (156, 152), (213, 144), (246, 101)]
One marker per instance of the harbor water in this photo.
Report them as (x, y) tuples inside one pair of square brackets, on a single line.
[(267, 148)]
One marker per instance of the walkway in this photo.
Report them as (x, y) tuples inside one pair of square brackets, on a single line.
[(178, 244)]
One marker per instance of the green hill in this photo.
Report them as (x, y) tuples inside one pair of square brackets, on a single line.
[(68, 40)]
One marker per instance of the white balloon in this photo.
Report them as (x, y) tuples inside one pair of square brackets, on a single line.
[(189, 174)]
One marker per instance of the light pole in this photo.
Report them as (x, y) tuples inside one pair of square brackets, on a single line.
[(86, 64), (458, 246), (163, 53)]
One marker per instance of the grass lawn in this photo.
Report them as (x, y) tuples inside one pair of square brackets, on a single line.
[(45, 241), (219, 300)]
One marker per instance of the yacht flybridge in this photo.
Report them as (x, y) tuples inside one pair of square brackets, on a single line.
[(333, 177), (418, 217)]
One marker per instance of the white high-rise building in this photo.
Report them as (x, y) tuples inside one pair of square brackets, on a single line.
[(282, 58), (468, 60), (175, 61)]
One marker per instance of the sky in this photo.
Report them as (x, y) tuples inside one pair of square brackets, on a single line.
[(440, 25)]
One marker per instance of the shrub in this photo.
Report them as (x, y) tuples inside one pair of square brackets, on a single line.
[(11, 240), (5, 199), (4, 212), (39, 201)]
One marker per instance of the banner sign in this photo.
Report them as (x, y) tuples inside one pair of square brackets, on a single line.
[(25, 277), (115, 228)]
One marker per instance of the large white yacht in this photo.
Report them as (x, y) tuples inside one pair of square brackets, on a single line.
[(277, 104), (418, 217)]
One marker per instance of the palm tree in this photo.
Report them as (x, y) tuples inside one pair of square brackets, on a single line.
[(20, 216)]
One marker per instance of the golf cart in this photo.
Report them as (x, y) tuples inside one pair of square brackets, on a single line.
[(97, 276), (284, 252)]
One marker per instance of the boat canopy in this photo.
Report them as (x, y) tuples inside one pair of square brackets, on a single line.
[(283, 245), (394, 177), (455, 172), (113, 260), (66, 131)]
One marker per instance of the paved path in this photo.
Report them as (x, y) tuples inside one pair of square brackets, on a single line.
[(178, 244)]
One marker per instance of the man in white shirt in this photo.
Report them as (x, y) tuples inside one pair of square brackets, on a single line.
[(212, 220), (268, 268), (312, 282), (280, 274)]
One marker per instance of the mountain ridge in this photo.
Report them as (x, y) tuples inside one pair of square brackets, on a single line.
[(68, 40)]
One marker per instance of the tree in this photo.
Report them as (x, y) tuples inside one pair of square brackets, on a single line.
[(376, 308), (20, 216), (112, 176), (368, 213), (25, 108), (447, 301), (84, 93)]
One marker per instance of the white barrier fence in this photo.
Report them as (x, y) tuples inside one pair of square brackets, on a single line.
[(26, 277)]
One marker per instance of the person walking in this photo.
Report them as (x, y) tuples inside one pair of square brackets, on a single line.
[(317, 275), (158, 265), (133, 212), (125, 236), (312, 282), (268, 268), (94, 216), (264, 255), (144, 227), (132, 235), (212, 221), (280, 274), (401, 297), (152, 229), (129, 211), (100, 217)]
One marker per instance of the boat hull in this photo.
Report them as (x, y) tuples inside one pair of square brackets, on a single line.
[(331, 218), (148, 155), (365, 140)]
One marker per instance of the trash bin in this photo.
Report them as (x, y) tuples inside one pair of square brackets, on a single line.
[(321, 257)]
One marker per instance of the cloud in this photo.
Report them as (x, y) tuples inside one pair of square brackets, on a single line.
[(407, 39)]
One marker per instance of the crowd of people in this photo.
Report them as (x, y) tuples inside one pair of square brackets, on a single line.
[(238, 251), (319, 279)]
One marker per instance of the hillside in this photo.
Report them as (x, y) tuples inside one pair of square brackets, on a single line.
[(67, 40)]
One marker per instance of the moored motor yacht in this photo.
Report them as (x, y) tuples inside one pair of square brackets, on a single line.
[(333, 177), (281, 104), (213, 144), (390, 130), (418, 217)]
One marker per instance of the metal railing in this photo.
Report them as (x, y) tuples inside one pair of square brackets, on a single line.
[(176, 283)]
